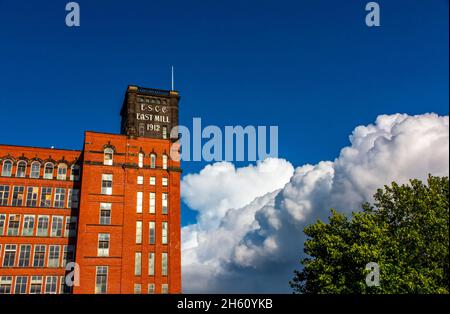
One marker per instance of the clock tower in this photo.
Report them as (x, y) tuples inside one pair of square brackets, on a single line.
[(149, 112)]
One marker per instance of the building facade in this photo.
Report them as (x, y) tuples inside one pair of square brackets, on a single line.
[(113, 208)]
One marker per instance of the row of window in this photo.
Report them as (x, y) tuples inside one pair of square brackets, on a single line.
[(33, 285), (39, 228), (164, 181), (35, 170), (108, 159), (62, 198), (151, 264), (23, 257), (101, 283)]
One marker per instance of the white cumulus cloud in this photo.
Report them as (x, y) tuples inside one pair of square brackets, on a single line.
[(249, 236)]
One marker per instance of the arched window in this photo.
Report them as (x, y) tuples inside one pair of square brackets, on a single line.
[(62, 172), (141, 160), (164, 161), (48, 170), (108, 156), (152, 161), (75, 173), (35, 169), (7, 168), (21, 169)]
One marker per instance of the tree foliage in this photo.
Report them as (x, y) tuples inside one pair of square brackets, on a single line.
[(405, 231)]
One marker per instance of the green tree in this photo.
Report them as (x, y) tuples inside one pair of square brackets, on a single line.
[(405, 231)]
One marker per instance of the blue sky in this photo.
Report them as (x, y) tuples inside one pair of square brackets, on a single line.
[(311, 67)]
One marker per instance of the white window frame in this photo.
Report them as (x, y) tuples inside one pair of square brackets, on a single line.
[(104, 238), (139, 232), (107, 207), (49, 176), (152, 203), (61, 173), (7, 170), (108, 156), (141, 160), (164, 232), (27, 221), (35, 173), (21, 174), (139, 201), (137, 263), (107, 190)]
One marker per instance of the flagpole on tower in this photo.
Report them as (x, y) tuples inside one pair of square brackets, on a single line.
[(172, 79)]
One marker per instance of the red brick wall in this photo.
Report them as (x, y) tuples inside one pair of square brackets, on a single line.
[(121, 278), (29, 154)]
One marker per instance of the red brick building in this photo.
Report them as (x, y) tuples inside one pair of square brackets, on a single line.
[(113, 208)]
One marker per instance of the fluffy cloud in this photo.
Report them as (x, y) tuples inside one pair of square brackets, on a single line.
[(249, 233)]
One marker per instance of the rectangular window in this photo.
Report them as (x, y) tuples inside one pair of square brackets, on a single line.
[(13, 225), (105, 213), (5, 284), (9, 255), (70, 229), (2, 223), (140, 180), (60, 197), (18, 196), (4, 195), (139, 202), (103, 244), (164, 181), (53, 256), (141, 160), (138, 232), (24, 256), (137, 288), (39, 256), (151, 288), (32, 196), (164, 203), (42, 227), (164, 132), (165, 233), (151, 264), (36, 284), (68, 254), (63, 288), (51, 282), (73, 198), (152, 180), (137, 263), (21, 285), (101, 279), (164, 161), (151, 229), (57, 225), (164, 264), (28, 225), (164, 288), (107, 180), (152, 208), (46, 197)]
